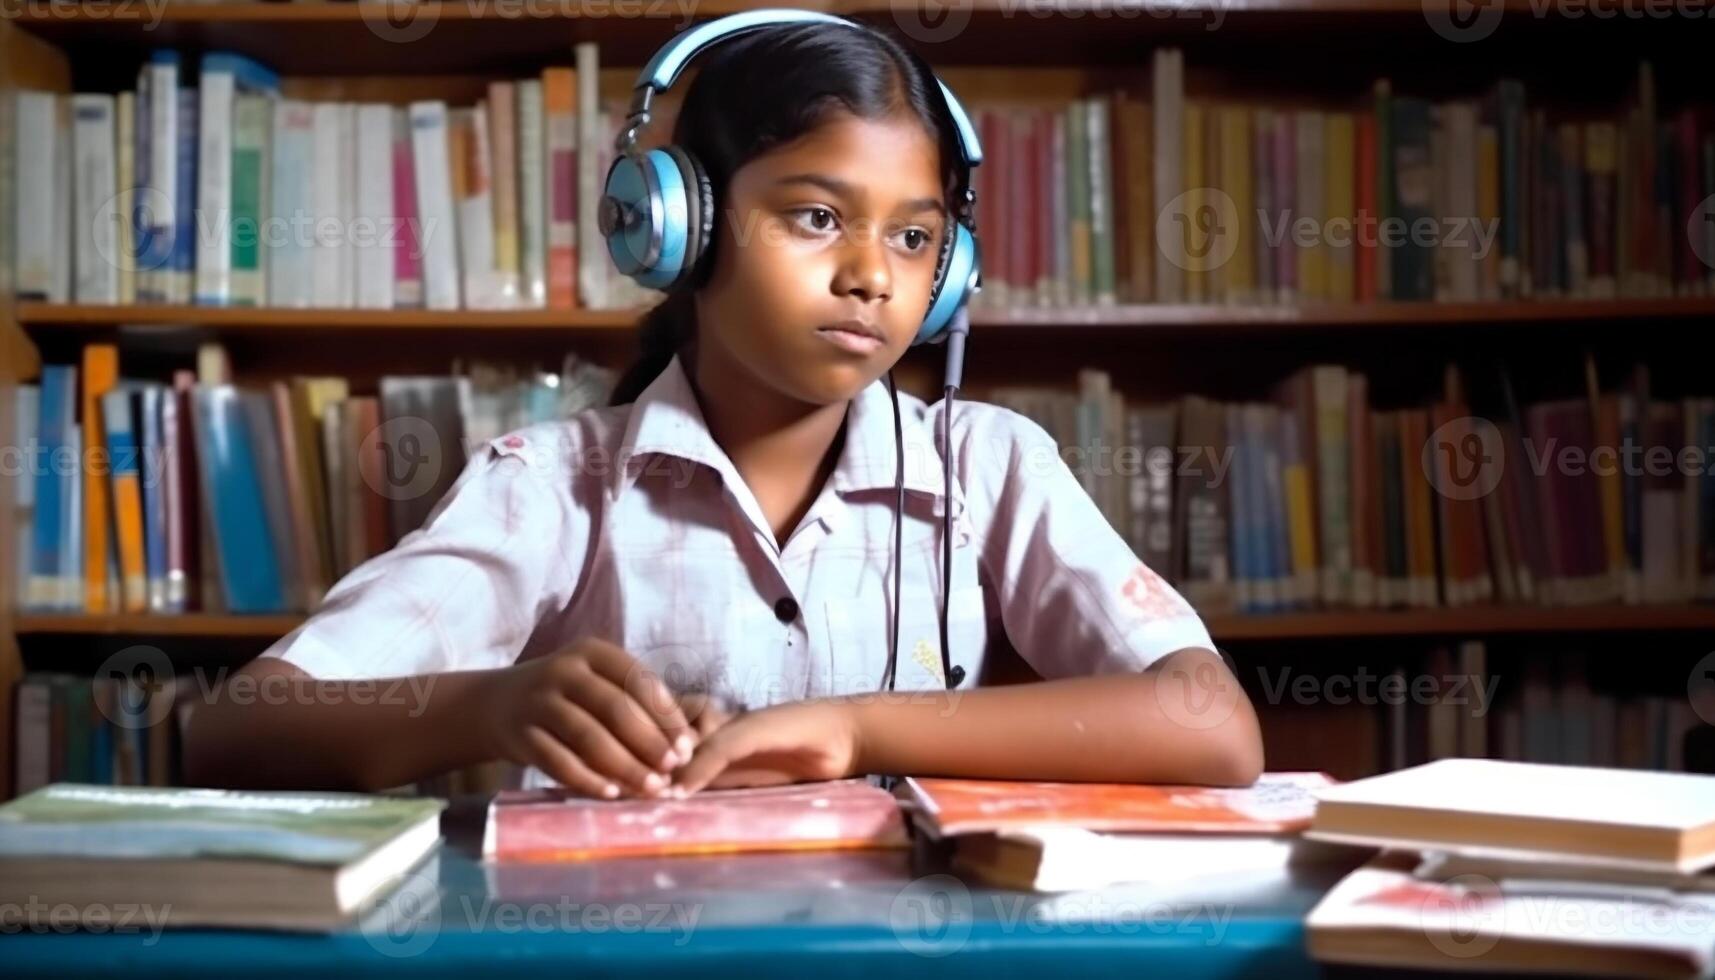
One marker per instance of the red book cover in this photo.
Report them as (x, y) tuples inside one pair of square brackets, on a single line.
[(555, 825), (408, 244), (1281, 802), (1000, 156)]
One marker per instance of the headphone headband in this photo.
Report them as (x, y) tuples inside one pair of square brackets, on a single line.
[(670, 61)]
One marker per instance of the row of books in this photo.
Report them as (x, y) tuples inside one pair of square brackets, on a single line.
[(1320, 498), (1533, 709), (203, 495), (232, 193), (114, 731), (1174, 197)]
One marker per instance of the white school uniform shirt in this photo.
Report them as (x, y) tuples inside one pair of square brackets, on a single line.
[(630, 524)]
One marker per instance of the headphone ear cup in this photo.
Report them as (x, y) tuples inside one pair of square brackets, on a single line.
[(648, 190), (953, 275), (700, 207)]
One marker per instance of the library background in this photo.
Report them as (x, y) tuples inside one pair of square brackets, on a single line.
[(1373, 330)]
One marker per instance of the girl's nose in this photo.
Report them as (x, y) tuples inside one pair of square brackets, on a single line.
[(865, 269)]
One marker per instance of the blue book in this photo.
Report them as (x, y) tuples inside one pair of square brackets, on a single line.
[(184, 262), (57, 420), (244, 551)]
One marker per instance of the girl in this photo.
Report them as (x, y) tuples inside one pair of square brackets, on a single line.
[(689, 588)]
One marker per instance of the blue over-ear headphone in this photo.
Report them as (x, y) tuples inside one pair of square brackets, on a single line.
[(658, 211)]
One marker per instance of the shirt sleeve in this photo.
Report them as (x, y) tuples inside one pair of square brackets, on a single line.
[(464, 591), (1075, 599)]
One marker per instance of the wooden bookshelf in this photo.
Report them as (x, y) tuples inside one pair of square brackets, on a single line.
[(996, 50), (1025, 320), (1338, 624)]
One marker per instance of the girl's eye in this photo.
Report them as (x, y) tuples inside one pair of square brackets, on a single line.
[(917, 238), (815, 224)]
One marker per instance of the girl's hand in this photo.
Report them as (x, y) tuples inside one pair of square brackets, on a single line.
[(593, 718), (787, 743)]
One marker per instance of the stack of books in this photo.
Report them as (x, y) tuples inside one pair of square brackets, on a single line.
[(1491, 865), (1052, 837), (207, 857)]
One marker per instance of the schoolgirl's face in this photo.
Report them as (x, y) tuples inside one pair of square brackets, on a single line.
[(824, 239)]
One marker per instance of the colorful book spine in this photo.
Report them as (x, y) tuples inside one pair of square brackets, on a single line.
[(127, 496), (502, 131), (251, 117), (100, 375), (244, 549), (181, 275), (408, 239)]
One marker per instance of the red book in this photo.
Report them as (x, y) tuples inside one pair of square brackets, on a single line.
[(1278, 802), (555, 825), (1364, 170)]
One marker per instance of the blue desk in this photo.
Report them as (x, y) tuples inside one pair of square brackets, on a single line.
[(792, 915)]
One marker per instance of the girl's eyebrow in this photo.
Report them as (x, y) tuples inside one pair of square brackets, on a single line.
[(834, 185)]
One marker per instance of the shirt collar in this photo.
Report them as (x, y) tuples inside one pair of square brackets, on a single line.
[(666, 419)]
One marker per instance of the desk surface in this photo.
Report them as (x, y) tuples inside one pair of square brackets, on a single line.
[(821, 914)]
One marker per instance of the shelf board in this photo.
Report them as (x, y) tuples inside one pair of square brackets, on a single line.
[(84, 315), (144, 624), (1286, 626), (1474, 621), (1026, 320)]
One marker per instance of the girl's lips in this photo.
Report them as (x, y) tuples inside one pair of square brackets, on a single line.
[(849, 340)]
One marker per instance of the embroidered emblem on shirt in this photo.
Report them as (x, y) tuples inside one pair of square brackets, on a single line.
[(926, 657), (1151, 596)]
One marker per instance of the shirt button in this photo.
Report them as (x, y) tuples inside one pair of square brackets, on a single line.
[(786, 610)]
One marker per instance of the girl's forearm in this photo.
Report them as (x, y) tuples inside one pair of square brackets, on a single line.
[(1185, 721), (272, 726)]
